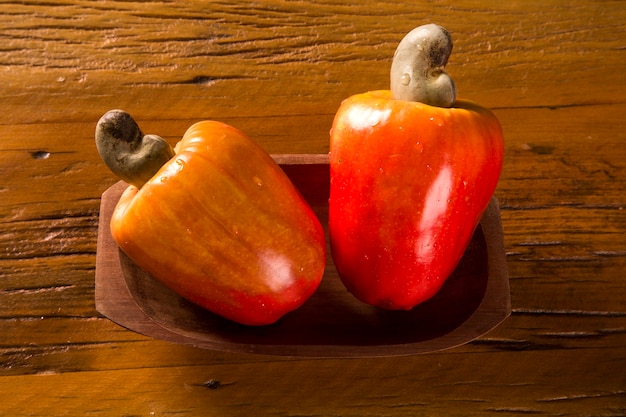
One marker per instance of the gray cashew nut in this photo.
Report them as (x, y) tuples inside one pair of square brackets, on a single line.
[(131, 155), (418, 70)]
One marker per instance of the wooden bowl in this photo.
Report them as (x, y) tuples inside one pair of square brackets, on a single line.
[(332, 323)]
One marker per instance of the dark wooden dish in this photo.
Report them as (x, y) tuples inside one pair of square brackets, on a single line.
[(332, 323)]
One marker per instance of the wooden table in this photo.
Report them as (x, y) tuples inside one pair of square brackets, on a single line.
[(553, 72)]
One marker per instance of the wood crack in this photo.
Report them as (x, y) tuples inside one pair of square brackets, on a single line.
[(36, 290), (560, 106), (582, 313), (619, 393)]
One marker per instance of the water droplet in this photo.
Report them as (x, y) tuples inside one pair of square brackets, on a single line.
[(419, 147), (180, 163), (258, 181), (405, 79), (163, 179), (436, 121)]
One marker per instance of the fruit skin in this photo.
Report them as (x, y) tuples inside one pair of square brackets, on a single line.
[(409, 184), (223, 226)]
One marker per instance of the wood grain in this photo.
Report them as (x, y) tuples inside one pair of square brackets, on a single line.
[(553, 71)]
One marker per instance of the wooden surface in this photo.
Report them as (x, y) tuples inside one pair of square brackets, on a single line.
[(554, 73)]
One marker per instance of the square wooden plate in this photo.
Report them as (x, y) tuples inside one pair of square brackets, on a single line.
[(332, 323)]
